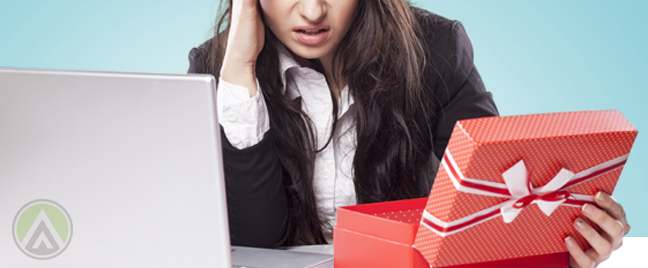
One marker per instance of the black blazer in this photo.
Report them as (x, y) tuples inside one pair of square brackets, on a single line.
[(256, 200)]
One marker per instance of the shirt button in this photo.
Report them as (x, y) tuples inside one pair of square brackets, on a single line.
[(327, 174), (232, 117), (234, 139)]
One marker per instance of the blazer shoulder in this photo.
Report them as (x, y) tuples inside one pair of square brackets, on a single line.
[(449, 56), (441, 36), (447, 46), (198, 57), (426, 18)]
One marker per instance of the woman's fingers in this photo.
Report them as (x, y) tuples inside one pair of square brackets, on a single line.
[(577, 257), (613, 208), (611, 220), (602, 246), (611, 226)]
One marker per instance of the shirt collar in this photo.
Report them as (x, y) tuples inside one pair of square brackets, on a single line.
[(287, 62)]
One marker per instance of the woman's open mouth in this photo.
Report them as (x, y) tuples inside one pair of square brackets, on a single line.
[(311, 35)]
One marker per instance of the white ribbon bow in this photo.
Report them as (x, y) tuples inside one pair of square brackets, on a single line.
[(517, 181)]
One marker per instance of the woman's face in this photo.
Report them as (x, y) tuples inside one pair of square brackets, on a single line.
[(311, 29)]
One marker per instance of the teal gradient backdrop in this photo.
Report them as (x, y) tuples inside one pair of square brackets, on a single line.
[(534, 56)]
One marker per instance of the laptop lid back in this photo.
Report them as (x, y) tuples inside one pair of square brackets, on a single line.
[(110, 170)]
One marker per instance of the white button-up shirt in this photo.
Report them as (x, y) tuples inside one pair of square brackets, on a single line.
[(245, 121)]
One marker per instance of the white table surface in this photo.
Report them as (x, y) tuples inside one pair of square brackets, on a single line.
[(633, 254)]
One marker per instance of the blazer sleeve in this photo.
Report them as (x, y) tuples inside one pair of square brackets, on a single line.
[(256, 199), (458, 88)]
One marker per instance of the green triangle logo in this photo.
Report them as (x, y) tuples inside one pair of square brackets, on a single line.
[(42, 229)]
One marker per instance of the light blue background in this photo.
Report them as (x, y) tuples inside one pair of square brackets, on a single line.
[(534, 56)]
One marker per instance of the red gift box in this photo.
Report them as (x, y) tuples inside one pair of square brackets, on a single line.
[(508, 191), (378, 235), (382, 235)]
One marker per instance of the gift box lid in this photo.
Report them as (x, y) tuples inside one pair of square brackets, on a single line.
[(473, 202), (543, 126), (572, 140)]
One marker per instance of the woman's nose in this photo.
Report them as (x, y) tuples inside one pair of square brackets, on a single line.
[(312, 10)]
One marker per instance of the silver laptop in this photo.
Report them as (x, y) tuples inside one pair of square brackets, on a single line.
[(117, 170), (110, 170)]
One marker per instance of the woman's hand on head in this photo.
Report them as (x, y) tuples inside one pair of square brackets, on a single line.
[(245, 41), (612, 220)]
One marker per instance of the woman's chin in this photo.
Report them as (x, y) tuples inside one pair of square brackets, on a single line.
[(309, 52)]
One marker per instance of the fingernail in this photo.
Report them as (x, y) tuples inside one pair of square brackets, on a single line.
[(599, 196), (570, 241), (588, 209), (579, 223)]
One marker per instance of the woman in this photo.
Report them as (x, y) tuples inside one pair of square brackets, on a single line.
[(325, 103)]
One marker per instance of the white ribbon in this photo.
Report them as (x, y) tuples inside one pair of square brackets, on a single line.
[(517, 181), (519, 192)]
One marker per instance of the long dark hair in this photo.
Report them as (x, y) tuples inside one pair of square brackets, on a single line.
[(382, 58)]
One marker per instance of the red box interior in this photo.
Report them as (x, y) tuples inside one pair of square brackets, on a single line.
[(379, 235), (382, 235), (400, 218)]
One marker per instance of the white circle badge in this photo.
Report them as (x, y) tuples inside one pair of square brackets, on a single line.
[(42, 229)]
